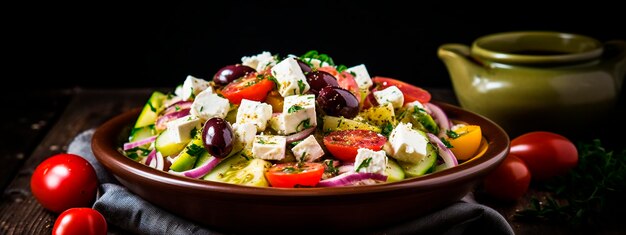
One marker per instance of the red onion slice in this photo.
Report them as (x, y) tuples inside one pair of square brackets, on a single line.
[(160, 162), (300, 135), (345, 168), (180, 105), (440, 118), (350, 178), (131, 145), (161, 122), (150, 157), (200, 171), (444, 152)]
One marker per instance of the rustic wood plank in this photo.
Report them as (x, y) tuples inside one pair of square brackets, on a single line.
[(27, 119), (20, 213)]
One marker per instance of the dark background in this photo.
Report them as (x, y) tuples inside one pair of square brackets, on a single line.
[(157, 45)]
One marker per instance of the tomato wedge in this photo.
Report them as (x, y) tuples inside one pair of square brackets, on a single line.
[(251, 87), (290, 175), (411, 93), (467, 142), (344, 144)]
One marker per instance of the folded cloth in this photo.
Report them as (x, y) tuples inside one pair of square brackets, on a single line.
[(130, 212)]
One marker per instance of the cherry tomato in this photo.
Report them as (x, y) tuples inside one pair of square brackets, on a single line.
[(546, 154), (289, 175), (466, 144), (411, 93), (345, 80), (344, 144), (509, 181), (80, 221), (64, 181), (251, 87)]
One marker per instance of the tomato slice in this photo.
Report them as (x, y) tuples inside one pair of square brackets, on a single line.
[(344, 144), (345, 80), (411, 93), (467, 142), (251, 87), (290, 175)]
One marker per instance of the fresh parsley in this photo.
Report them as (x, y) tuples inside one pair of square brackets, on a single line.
[(452, 134), (313, 54), (330, 168), (386, 129), (306, 123), (193, 132), (294, 109), (341, 68), (195, 150), (364, 163), (302, 86)]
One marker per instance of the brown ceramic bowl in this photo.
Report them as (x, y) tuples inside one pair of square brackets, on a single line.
[(234, 208)]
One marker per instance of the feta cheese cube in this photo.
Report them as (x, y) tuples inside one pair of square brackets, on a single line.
[(408, 145), (259, 62), (362, 77), (291, 80), (193, 86), (412, 105), (369, 161), (308, 150), (269, 147), (244, 135), (391, 95), (182, 130), (299, 113), (277, 122), (254, 112), (208, 105)]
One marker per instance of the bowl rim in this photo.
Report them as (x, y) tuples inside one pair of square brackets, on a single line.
[(106, 152)]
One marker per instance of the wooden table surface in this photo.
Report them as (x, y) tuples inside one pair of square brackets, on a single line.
[(44, 122)]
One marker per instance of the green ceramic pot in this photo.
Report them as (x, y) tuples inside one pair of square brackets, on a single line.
[(534, 80)]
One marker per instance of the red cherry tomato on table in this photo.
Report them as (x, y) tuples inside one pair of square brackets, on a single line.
[(509, 181), (344, 144), (546, 154), (251, 87), (64, 181), (288, 175), (411, 93), (80, 221)]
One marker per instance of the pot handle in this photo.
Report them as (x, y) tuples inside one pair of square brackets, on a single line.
[(614, 59)]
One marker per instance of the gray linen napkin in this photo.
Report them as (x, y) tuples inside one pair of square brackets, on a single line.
[(128, 211)]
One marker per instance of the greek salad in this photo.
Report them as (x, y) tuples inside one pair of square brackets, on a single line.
[(297, 121)]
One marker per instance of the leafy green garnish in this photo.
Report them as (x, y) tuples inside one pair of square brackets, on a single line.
[(330, 168), (364, 163), (313, 54), (452, 134), (294, 109), (341, 68), (583, 192), (386, 129), (302, 86), (195, 150)]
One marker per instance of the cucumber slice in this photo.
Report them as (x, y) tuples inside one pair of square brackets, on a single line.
[(423, 166), (189, 155), (205, 156), (239, 170), (393, 171), (141, 133), (166, 145), (150, 111), (420, 120), (339, 123)]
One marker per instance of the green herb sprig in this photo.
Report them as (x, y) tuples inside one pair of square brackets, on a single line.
[(580, 195)]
